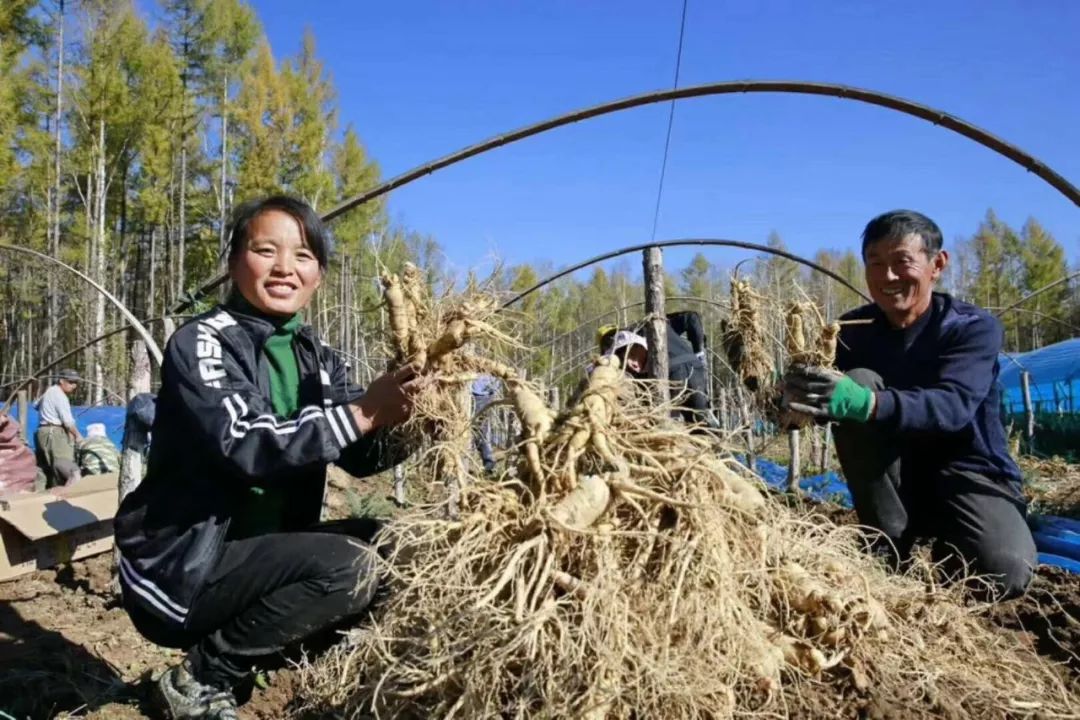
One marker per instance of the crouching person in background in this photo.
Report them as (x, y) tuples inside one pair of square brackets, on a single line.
[(221, 549), (97, 454)]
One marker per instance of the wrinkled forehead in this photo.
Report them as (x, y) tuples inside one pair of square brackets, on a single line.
[(895, 245)]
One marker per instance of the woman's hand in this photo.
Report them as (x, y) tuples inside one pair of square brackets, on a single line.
[(387, 400)]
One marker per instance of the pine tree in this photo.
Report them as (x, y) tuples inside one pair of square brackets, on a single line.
[(116, 98), (260, 128), (232, 31), (996, 277), (312, 119), (353, 173), (1044, 262), (697, 278)]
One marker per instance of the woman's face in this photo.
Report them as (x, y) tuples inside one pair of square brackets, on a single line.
[(277, 272)]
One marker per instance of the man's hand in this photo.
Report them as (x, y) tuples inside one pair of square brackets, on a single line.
[(387, 400), (827, 394)]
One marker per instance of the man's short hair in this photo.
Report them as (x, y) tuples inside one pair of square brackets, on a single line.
[(898, 224)]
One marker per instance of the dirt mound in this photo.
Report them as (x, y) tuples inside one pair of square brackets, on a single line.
[(1049, 614), (67, 649), (1052, 486)]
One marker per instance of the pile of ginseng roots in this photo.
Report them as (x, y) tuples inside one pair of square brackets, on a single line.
[(623, 567)]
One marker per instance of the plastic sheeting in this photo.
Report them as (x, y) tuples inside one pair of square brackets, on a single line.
[(112, 417), (1056, 538), (1055, 378)]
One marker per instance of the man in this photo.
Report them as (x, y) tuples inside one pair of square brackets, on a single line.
[(686, 366), (919, 435), (483, 393), (632, 351), (686, 361), (56, 434), (97, 454)]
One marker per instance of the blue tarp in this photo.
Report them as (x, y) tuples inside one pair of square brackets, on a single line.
[(1056, 538), (110, 416), (1055, 378)]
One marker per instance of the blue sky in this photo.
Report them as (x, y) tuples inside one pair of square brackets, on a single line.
[(421, 79)]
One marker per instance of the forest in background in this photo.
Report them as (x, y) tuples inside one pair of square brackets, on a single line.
[(126, 141)]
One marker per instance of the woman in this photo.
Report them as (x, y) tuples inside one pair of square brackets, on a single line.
[(221, 552)]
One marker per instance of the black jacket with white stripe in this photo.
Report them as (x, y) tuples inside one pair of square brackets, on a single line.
[(215, 434)]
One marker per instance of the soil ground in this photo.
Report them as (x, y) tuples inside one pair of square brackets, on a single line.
[(67, 649), (1052, 486)]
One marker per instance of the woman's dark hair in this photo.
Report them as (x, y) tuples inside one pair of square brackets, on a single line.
[(314, 231), (898, 224)]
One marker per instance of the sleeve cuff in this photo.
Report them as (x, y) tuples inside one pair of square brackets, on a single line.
[(884, 406), (342, 425)]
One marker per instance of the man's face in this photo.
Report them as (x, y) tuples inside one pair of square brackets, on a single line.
[(68, 387), (637, 358), (901, 275)]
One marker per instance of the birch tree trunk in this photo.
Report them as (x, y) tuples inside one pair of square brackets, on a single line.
[(183, 217), (54, 200), (99, 264), (222, 239)]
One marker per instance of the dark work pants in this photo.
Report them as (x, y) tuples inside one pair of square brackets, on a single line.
[(689, 382), (972, 519), (269, 592), (482, 443)]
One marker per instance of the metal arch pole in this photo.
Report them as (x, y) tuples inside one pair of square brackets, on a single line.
[(151, 346), (53, 363), (1033, 293), (671, 298), (870, 97), (1040, 315), (797, 87), (689, 241)]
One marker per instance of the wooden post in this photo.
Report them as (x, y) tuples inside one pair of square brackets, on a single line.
[(747, 418), (131, 460), (815, 445), (724, 417), (553, 398), (1029, 413), (793, 466), (399, 485), (656, 320), (136, 434), (707, 366), (24, 415), (168, 327), (826, 442)]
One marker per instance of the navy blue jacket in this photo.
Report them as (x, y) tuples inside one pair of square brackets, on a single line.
[(941, 392)]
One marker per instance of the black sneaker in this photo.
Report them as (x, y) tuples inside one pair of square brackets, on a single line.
[(183, 697)]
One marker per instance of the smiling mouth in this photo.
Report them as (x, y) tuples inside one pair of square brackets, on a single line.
[(892, 292), (279, 288)]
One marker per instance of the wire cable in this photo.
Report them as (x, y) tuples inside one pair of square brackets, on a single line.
[(670, 121)]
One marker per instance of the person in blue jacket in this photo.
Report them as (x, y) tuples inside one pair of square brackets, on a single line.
[(918, 430)]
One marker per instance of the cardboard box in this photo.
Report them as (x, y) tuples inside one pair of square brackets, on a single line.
[(40, 530)]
